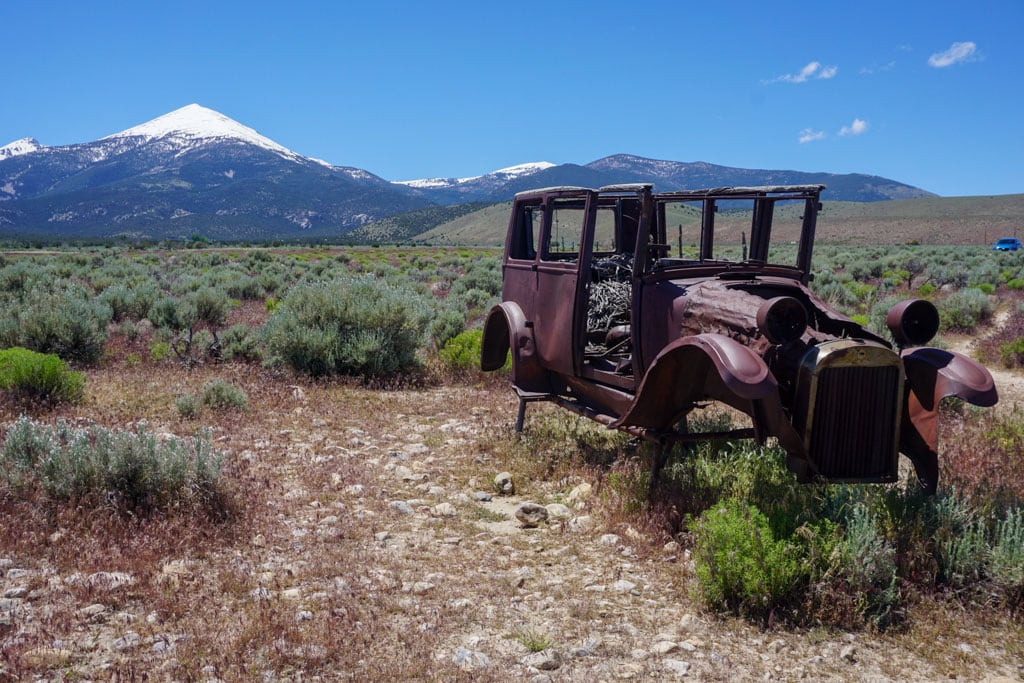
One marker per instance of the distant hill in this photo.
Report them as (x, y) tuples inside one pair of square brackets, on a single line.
[(933, 220), (195, 171), (405, 226), (665, 175)]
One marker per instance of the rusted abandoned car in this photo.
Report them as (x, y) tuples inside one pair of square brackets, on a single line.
[(634, 308)]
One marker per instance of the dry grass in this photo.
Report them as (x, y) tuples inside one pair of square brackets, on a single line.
[(315, 573)]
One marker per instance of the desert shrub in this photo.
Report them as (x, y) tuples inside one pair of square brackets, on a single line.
[(853, 573), (1012, 353), (362, 326), (188, 406), (205, 306), (927, 289), (965, 309), (220, 394), (270, 282), (211, 306), (172, 314), (481, 275), (739, 564), (1006, 562), (20, 278), (159, 350), (1015, 283), (980, 458), (129, 303), (240, 342), (244, 287), (65, 323), (133, 470), (710, 472), (476, 299), (462, 352), (445, 325), (960, 543), (837, 295), (31, 376)]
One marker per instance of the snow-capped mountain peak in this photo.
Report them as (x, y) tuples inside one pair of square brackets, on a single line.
[(523, 169), (19, 147), (502, 173), (194, 123)]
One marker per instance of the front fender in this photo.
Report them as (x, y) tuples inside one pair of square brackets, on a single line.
[(696, 368), (932, 375), (506, 329)]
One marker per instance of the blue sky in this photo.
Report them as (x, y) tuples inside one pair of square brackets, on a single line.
[(927, 93)]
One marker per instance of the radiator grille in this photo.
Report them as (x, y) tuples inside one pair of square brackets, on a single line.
[(856, 414)]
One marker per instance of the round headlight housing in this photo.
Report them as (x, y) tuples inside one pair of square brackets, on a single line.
[(782, 319), (913, 322)]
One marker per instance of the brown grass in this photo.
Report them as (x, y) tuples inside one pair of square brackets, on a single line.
[(298, 581)]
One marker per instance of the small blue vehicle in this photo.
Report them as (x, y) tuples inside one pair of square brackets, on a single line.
[(1007, 244)]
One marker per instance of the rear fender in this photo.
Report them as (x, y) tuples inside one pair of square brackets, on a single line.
[(506, 329), (932, 375)]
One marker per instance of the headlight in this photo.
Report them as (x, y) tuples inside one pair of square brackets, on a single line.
[(782, 319), (913, 322)]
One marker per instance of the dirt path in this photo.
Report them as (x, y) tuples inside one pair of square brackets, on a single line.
[(1009, 383)]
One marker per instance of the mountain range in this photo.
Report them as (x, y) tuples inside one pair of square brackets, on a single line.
[(195, 171)]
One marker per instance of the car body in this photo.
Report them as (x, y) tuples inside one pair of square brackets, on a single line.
[(636, 308), (1007, 244)]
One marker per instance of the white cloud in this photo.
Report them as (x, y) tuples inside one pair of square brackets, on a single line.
[(813, 70), (856, 128), (868, 70), (957, 52), (808, 135), (828, 72)]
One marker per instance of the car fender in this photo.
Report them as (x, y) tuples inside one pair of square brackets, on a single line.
[(696, 368), (932, 375), (506, 328)]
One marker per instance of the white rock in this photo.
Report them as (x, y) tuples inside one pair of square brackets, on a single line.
[(469, 660), (444, 510), (677, 666), (558, 511), (579, 495)]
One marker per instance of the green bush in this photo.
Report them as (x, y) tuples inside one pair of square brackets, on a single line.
[(159, 350), (965, 309), (363, 326), (65, 323), (1006, 562), (132, 469), (714, 471), (462, 352), (481, 275), (188, 407), (446, 325), (240, 342), (865, 564), (222, 395), (1012, 353), (739, 564), (129, 303), (30, 376)]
